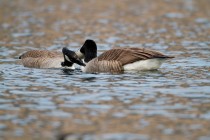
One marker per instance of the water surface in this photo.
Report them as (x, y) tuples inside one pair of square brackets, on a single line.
[(170, 103)]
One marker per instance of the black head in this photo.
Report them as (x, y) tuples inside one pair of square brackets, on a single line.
[(70, 57), (89, 49)]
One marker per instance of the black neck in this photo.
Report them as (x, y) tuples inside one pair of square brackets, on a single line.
[(89, 49)]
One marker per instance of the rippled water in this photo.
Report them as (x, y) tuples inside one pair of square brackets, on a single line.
[(35, 97), (170, 103)]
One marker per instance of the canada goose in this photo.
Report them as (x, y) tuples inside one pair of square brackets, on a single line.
[(48, 59), (119, 59)]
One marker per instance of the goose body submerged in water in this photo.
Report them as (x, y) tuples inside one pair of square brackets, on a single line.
[(118, 59), (46, 59), (42, 59)]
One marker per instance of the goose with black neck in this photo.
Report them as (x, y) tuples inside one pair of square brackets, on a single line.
[(117, 60)]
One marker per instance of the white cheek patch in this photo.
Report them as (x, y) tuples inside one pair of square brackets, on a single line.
[(67, 58)]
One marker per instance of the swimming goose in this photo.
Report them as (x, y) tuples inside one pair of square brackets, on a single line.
[(48, 59), (119, 59)]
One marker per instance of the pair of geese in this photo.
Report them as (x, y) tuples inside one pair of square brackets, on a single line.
[(111, 61)]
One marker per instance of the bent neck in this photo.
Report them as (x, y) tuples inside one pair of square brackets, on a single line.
[(89, 49)]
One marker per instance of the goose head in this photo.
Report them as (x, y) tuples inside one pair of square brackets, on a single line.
[(88, 51), (70, 57)]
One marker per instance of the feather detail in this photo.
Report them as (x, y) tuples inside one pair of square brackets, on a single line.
[(42, 62), (120, 59), (103, 66), (42, 59), (41, 53), (130, 55)]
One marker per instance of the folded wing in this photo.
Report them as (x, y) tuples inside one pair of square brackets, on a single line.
[(129, 55)]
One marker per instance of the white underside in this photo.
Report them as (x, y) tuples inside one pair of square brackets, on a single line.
[(149, 64)]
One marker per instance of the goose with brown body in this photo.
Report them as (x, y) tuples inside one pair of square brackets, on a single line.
[(42, 59), (47, 59), (119, 59)]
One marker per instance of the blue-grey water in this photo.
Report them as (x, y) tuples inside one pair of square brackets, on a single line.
[(170, 103)]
